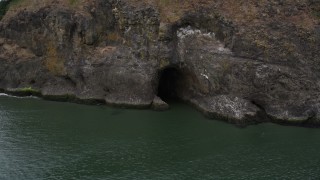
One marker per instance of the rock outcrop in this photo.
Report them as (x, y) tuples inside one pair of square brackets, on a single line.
[(244, 61), (159, 105)]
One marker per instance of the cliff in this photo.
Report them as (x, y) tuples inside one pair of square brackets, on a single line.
[(243, 61)]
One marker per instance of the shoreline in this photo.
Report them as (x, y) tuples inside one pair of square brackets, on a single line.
[(96, 102)]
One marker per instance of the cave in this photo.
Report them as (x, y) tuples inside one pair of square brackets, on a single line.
[(169, 79)]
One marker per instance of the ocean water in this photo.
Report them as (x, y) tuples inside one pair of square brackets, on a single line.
[(53, 140)]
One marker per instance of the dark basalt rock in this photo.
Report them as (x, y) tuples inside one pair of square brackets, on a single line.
[(125, 54)]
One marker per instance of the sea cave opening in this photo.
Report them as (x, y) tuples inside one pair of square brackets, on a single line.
[(168, 87)]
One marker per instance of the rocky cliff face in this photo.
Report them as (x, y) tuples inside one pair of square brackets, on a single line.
[(245, 62)]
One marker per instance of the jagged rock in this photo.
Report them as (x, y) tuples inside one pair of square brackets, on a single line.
[(159, 105), (256, 65)]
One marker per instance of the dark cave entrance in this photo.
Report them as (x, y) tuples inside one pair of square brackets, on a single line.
[(168, 87)]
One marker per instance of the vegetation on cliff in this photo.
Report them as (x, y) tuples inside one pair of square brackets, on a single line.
[(3, 7)]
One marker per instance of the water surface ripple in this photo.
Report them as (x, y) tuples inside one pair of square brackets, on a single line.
[(51, 140)]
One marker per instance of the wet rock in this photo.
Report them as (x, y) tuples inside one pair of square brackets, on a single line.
[(159, 105)]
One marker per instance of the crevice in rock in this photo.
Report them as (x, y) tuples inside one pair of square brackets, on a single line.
[(262, 114), (71, 81), (168, 83)]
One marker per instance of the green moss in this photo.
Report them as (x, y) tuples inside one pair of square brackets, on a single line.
[(27, 91)]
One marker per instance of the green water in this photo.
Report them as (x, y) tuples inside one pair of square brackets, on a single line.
[(51, 140)]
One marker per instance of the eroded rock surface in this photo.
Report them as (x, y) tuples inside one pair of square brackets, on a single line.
[(159, 105), (229, 108), (243, 61)]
